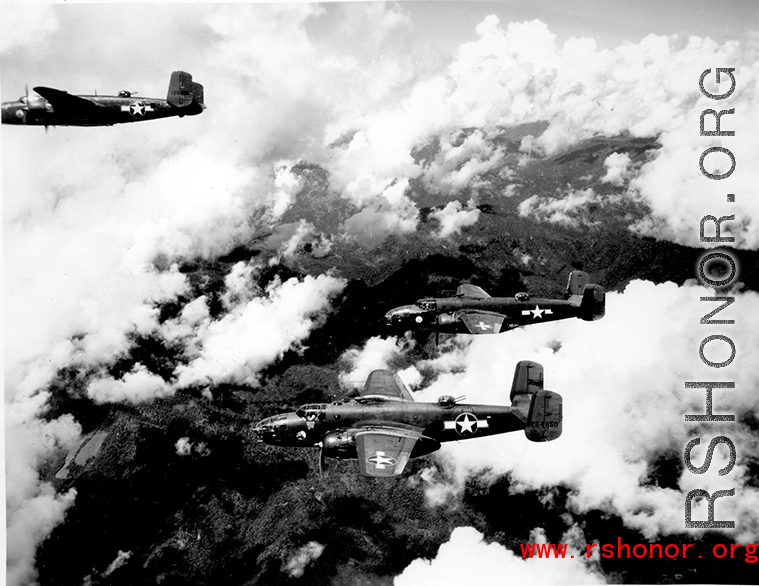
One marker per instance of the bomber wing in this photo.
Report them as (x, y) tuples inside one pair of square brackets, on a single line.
[(482, 322), (384, 451), (64, 102), (385, 385), (473, 291)]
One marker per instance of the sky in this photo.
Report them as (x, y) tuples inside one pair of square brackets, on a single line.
[(96, 220)]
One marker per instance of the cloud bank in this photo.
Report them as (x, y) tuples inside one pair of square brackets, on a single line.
[(95, 239), (623, 383), (466, 558)]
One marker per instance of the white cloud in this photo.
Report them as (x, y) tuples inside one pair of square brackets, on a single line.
[(456, 166), (377, 353), (183, 446), (453, 218), (95, 234), (616, 165), (121, 558), (377, 221), (137, 386), (569, 209), (296, 565), (303, 230), (237, 346), (622, 379), (287, 184), (468, 559), (33, 508)]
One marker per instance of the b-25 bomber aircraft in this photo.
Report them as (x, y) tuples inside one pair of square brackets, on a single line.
[(384, 427), (60, 108), (473, 311)]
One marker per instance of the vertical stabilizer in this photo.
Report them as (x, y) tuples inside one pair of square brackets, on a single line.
[(590, 298), (542, 409), (576, 283), (185, 94)]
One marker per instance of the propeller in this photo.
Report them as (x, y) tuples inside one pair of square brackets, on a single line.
[(322, 459), (26, 102)]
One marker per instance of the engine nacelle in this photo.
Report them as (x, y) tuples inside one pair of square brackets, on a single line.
[(445, 319), (340, 444)]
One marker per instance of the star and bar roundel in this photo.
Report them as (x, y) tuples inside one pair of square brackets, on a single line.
[(380, 460), (137, 108), (466, 424)]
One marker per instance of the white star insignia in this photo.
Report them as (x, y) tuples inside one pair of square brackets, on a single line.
[(466, 423), (137, 109), (537, 312), (381, 461)]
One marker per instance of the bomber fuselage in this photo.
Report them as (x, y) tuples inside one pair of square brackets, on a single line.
[(440, 313), (332, 423), (112, 110)]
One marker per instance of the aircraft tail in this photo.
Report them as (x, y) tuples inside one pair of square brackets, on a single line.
[(542, 409), (590, 298), (185, 94)]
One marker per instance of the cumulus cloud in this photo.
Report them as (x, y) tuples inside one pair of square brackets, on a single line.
[(183, 446), (239, 287), (453, 217), (517, 73), (616, 165), (296, 565), (33, 508), (623, 383), (136, 386), (375, 222), (287, 184), (235, 347), (377, 353), (121, 558), (468, 559), (570, 209), (460, 161), (97, 237)]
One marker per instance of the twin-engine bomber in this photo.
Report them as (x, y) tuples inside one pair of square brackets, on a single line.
[(383, 427), (473, 311), (60, 108)]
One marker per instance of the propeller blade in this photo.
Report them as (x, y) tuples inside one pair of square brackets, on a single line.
[(322, 460)]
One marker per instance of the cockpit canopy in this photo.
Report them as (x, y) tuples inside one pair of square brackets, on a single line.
[(125, 94), (427, 304), (312, 411)]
